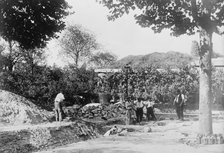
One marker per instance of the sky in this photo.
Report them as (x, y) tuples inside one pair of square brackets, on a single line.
[(123, 36)]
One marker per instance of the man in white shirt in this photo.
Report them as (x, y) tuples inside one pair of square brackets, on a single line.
[(149, 104), (58, 106)]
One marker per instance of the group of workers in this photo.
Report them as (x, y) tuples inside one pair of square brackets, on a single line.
[(149, 105), (136, 111), (134, 107)]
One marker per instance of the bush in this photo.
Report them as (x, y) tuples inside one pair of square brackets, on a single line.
[(160, 85), (42, 86)]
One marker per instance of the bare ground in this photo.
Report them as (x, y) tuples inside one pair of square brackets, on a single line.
[(170, 138)]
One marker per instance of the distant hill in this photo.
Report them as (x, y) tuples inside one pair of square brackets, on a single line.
[(161, 60)]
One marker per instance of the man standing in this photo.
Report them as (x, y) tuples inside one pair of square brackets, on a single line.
[(130, 111), (150, 109), (179, 104), (139, 109), (58, 106)]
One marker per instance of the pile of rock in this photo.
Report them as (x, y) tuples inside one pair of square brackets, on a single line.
[(95, 110), (72, 111), (210, 139)]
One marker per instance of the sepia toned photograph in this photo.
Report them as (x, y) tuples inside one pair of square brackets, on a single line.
[(111, 76)]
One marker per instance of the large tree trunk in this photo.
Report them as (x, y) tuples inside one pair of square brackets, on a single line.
[(205, 116)]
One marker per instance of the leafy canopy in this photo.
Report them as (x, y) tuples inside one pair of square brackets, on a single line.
[(181, 16), (103, 59), (31, 22)]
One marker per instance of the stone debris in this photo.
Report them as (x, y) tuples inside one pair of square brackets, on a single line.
[(97, 110), (147, 129), (210, 139), (161, 123), (123, 133)]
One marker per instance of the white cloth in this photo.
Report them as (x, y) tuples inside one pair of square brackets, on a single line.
[(182, 97), (149, 104), (59, 98), (138, 104)]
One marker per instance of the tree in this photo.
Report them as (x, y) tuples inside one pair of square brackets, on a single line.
[(12, 54), (181, 17), (195, 48), (31, 23), (32, 58), (103, 59), (77, 43)]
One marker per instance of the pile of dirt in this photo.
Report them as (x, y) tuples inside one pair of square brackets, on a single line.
[(17, 110)]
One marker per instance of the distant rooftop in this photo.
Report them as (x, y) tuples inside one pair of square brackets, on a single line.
[(107, 70)]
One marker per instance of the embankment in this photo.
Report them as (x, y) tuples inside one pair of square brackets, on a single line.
[(39, 137)]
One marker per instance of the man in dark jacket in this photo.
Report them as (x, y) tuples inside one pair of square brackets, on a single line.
[(179, 102)]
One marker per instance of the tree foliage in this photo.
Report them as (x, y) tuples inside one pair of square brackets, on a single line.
[(103, 59), (180, 16), (42, 87), (32, 58), (160, 85), (11, 55), (77, 43), (31, 23)]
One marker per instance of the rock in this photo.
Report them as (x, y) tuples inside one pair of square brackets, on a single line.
[(161, 118), (161, 123), (147, 129), (123, 133), (106, 111), (157, 111)]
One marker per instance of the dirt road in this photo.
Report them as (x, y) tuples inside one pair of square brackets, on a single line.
[(162, 139)]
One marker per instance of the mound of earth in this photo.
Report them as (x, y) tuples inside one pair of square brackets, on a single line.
[(17, 110)]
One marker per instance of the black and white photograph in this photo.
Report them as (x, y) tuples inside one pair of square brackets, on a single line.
[(111, 76)]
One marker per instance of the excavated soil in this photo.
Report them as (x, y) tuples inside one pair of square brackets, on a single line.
[(17, 110), (170, 137)]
